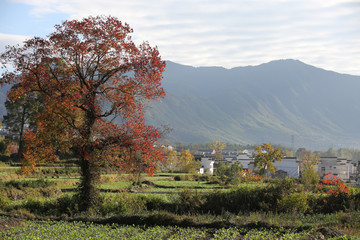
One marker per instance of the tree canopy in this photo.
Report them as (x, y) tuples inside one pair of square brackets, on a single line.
[(265, 156), (89, 74)]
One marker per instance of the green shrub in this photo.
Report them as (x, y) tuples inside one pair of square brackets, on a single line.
[(310, 179), (285, 186), (3, 202), (293, 203), (242, 199), (39, 183), (155, 203), (67, 204), (33, 206), (130, 203), (189, 200), (112, 208), (50, 192), (335, 203)]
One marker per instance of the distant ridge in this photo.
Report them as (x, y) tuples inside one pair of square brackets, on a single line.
[(270, 102)]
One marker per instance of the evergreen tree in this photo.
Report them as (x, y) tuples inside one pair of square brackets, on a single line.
[(21, 113)]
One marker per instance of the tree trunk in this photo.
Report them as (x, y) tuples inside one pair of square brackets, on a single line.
[(21, 142), (90, 170), (88, 193)]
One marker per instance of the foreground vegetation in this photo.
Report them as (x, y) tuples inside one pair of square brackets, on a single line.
[(82, 230), (175, 206)]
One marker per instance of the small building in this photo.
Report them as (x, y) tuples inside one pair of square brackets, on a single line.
[(207, 164), (289, 165), (340, 167), (206, 152), (245, 161)]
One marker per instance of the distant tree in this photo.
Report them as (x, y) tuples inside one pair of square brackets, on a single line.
[(171, 160), (187, 163), (265, 156), (308, 160), (229, 173), (288, 153), (309, 177), (21, 115), (329, 153), (3, 146), (217, 146)]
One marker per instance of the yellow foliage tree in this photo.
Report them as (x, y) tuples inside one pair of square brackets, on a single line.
[(187, 163), (265, 156), (171, 161), (309, 177), (308, 160), (218, 146)]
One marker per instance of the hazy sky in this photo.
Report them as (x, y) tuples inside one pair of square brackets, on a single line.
[(228, 33)]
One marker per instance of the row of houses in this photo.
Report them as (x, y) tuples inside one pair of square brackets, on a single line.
[(346, 170)]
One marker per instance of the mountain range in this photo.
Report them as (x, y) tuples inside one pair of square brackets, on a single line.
[(284, 102), (281, 102)]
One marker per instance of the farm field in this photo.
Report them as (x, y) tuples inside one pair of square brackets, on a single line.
[(81, 230), (168, 206)]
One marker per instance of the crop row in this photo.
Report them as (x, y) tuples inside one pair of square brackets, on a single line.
[(81, 230)]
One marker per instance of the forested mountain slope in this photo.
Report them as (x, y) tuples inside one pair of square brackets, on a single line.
[(267, 103)]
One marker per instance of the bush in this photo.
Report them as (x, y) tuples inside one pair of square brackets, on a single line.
[(3, 202), (127, 202), (310, 179), (293, 203), (67, 204), (189, 200), (242, 199), (40, 183), (337, 197), (33, 206), (112, 207), (156, 203)]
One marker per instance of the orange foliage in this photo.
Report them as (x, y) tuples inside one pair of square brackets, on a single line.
[(88, 72), (248, 175), (332, 185)]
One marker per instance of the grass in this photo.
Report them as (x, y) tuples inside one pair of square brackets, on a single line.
[(115, 185)]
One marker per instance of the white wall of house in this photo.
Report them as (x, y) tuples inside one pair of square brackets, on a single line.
[(289, 165), (208, 165), (340, 167)]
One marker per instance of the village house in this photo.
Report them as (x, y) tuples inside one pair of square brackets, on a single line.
[(343, 168), (207, 164), (245, 160), (289, 165), (346, 170)]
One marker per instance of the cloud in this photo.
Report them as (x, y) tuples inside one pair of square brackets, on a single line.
[(234, 33), (11, 40)]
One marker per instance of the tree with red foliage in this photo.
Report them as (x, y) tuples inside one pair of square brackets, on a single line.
[(88, 73), (337, 193), (332, 185)]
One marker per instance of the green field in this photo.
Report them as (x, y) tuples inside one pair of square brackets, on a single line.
[(170, 206), (81, 230)]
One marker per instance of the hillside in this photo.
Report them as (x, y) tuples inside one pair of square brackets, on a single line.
[(272, 102), (267, 103)]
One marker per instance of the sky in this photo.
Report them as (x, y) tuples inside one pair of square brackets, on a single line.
[(227, 33)]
